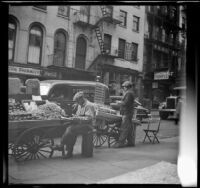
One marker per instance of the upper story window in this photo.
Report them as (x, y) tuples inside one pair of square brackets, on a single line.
[(81, 49), (131, 51), (121, 48), (59, 48), (109, 10), (136, 23), (63, 11), (35, 44), (123, 18), (41, 7), (107, 42), (85, 10), (12, 28), (172, 12)]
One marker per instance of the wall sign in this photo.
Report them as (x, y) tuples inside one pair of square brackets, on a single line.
[(22, 70), (161, 75)]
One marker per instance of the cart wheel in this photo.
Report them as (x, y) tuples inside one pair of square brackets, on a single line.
[(32, 144), (100, 137), (11, 148), (113, 136)]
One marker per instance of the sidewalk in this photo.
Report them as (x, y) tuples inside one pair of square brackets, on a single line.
[(105, 164)]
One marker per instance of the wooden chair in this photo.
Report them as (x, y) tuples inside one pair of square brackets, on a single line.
[(152, 130)]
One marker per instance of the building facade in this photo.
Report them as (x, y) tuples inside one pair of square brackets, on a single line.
[(77, 42), (161, 52)]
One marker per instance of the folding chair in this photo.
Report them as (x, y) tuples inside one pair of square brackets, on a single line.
[(152, 129)]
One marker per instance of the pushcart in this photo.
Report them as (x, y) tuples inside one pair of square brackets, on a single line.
[(108, 129), (32, 139)]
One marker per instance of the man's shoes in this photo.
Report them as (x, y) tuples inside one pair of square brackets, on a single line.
[(119, 145), (57, 147), (68, 156)]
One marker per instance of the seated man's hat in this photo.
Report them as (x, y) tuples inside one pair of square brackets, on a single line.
[(78, 95)]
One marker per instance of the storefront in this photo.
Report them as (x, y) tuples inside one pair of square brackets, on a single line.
[(24, 72)]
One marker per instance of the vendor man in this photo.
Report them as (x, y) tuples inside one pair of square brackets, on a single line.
[(126, 110), (86, 109)]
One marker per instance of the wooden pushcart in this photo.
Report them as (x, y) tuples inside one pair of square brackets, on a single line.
[(108, 129), (33, 139)]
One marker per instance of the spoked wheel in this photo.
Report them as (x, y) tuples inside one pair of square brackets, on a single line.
[(113, 135), (100, 137), (10, 148), (32, 145)]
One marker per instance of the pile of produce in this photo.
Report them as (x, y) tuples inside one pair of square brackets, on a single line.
[(49, 110), (17, 112)]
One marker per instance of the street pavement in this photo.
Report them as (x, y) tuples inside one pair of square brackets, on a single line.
[(106, 162)]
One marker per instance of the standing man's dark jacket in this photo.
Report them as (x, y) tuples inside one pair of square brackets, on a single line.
[(127, 105)]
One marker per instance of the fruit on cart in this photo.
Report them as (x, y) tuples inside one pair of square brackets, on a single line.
[(49, 110)]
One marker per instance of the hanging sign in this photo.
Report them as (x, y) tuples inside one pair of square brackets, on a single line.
[(161, 75)]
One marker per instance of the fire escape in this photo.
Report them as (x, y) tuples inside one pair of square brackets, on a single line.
[(107, 16)]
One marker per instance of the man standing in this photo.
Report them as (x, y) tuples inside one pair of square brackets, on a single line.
[(86, 109), (126, 110)]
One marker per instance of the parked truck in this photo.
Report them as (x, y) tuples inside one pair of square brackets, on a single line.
[(168, 108)]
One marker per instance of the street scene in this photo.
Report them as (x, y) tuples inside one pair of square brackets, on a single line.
[(96, 94)]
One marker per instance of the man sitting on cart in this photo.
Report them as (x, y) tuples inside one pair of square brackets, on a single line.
[(86, 109), (126, 110)]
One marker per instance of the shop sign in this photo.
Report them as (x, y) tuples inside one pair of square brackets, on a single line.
[(161, 75), (50, 74), (22, 70)]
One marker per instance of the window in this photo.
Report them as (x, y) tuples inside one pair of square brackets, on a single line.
[(85, 10), (11, 38), (59, 48), (172, 12), (136, 23), (123, 17), (35, 44), (121, 48), (107, 42), (109, 10), (63, 10), (134, 51), (41, 7), (81, 47)]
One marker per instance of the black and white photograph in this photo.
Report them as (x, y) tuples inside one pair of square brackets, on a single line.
[(97, 94)]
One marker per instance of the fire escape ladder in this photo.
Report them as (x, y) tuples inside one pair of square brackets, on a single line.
[(100, 39), (104, 12)]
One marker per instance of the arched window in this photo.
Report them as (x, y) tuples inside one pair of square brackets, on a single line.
[(12, 30), (81, 48), (59, 48), (35, 44)]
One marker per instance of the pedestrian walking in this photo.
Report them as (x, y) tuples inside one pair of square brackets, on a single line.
[(126, 110), (85, 108)]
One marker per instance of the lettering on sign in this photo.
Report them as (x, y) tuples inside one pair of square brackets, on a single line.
[(22, 70), (161, 75)]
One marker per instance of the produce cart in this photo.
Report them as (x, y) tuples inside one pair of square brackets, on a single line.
[(32, 139), (108, 128)]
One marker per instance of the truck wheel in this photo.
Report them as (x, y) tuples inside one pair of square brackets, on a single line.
[(164, 115)]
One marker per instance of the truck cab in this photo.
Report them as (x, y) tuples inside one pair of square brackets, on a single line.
[(168, 108), (62, 92)]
